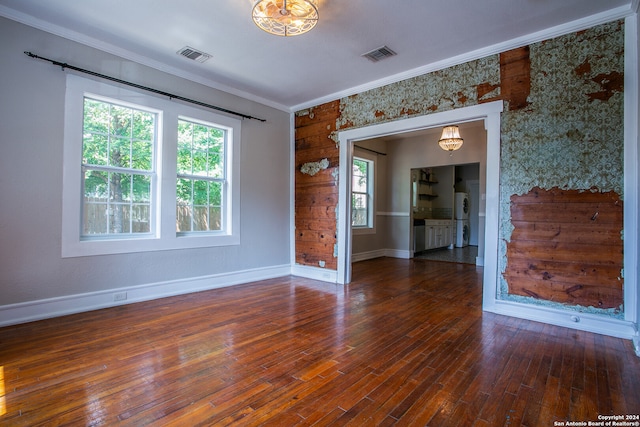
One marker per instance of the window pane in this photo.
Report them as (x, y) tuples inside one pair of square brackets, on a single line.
[(215, 193), (201, 170), (216, 160), (142, 155), (184, 160), (143, 126), (359, 212), (96, 185), (215, 219), (118, 218), (200, 193), (121, 118), (141, 218), (94, 217), (200, 137), (117, 136), (96, 117), (185, 133), (200, 163), (119, 153), (141, 188), (359, 175), (198, 206), (183, 217), (116, 203), (119, 187), (114, 136), (362, 193), (200, 218), (94, 149), (184, 191)]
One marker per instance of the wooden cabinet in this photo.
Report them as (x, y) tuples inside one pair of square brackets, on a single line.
[(425, 190), (438, 233)]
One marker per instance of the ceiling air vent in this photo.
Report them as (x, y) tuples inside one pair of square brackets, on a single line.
[(379, 54), (194, 54)]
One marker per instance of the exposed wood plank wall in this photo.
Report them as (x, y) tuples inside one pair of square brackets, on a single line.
[(316, 195), (515, 80), (559, 251), (566, 247)]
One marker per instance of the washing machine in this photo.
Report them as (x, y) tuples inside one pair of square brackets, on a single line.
[(461, 207), (462, 233)]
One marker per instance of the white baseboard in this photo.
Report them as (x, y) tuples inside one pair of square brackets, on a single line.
[(52, 307), (570, 319), (363, 256), (13, 314), (391, 253), (315, 273), (397, 253)]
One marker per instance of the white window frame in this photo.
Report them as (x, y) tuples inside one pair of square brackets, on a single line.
[(153, 175), (224, 180), (164, 237), (370, 228)]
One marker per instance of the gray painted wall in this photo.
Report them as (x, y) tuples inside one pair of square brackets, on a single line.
[(31, 143)]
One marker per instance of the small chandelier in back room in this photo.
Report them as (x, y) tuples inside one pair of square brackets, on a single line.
[(285, 17), (450, 139)]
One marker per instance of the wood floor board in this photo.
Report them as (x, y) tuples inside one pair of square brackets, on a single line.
[(406, 343)]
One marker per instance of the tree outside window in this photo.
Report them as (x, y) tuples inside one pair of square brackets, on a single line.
[(201, 177), (143, 173), (118, 169)]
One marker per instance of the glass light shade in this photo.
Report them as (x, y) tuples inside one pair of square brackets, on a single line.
[(285, 17), (450, 139)]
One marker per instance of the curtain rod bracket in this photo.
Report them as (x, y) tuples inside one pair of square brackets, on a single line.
[(64, 66)]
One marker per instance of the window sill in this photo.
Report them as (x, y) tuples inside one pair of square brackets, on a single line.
[(94, 247), (363, 230)]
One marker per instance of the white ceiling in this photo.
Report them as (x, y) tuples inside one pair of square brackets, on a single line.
[(324, 64)]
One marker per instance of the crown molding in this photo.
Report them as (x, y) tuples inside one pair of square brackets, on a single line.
[(573, 26), (131, 56)]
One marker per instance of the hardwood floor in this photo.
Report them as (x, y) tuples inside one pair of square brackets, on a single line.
[(405, 344)]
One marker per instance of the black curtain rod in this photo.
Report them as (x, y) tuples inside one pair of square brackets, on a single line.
[(159, 92), (369, 149)]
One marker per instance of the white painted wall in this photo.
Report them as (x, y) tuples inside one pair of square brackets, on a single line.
[(31, 144), (632, 174)]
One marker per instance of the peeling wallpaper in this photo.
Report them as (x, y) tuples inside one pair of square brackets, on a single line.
[(563, 120), (566, 137), (571, 134), (439, 91), (313, 168)]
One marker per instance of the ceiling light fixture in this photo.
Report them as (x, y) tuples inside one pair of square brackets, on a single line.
[(450, 139), (285, 17)]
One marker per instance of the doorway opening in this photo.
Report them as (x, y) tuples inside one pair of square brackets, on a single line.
[(446, 206), (489, 113)]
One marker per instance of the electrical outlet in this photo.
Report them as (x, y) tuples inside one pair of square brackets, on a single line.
[(120, 296)]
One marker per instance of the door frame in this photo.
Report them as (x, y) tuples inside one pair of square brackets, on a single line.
[(490, 113)]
